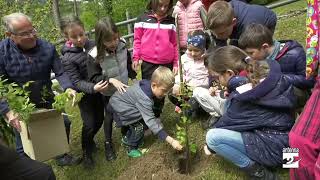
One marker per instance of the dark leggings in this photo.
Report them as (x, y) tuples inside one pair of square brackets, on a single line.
[(92, 114), (108, 120), (148, 68)]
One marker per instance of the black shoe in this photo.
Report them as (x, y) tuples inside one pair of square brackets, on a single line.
[(259, 172), (67, 160), (88, 162), (109, 152)]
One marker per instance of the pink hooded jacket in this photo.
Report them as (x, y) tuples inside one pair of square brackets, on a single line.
[(189, 19)]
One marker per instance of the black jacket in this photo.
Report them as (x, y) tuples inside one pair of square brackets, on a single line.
[(74, 62)]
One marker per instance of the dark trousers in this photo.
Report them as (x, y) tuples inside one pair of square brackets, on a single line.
[(15, 167), (92, 114), (108, 120), (19, 147), (133, 133), (148, 68)]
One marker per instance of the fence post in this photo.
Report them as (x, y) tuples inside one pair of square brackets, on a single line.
[(129, 27)]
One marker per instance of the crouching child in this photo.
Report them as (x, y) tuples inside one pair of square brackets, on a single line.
[(133, 109)]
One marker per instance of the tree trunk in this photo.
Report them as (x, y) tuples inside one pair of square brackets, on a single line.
[(56, 12), (75, 8)]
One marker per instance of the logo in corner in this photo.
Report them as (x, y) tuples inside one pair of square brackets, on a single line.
[(290, 157)]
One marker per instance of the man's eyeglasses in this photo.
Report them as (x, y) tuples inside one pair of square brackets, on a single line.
[(26, 34)]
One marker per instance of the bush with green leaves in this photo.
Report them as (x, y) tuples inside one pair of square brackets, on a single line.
[(19, 102)]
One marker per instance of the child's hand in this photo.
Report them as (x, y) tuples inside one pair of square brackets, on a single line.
[(175, 70), (176, 90), (100, 86), (119, 85), (136, 64), (176, 145), (213, 91)]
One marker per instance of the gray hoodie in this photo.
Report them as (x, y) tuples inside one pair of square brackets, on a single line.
[(134, 105)]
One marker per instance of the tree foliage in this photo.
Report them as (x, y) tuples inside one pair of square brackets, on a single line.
[(40, 13)]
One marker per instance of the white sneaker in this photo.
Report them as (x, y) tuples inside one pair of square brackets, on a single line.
[(206, 150)]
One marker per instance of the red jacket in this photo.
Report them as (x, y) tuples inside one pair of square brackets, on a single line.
[(155, 40), (207, 3)]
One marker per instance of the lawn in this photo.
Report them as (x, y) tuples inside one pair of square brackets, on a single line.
[(159, 161)]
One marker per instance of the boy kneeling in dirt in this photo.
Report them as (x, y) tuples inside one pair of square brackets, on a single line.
[(132, 109)]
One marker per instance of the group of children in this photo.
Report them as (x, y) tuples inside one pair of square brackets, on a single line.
[(253, 106)]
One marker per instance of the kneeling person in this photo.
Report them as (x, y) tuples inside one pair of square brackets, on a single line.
[(133, 109)]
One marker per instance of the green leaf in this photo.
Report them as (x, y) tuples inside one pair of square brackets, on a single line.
[(193, 148)]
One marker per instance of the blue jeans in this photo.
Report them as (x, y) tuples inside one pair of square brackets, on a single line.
[(228, 144), (19, 147)]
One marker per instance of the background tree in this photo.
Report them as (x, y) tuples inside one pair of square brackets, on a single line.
[(56, 12)]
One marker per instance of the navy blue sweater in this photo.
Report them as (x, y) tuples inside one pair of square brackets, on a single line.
[(263, 116), (247, 14), (35, 65), (292, 59)]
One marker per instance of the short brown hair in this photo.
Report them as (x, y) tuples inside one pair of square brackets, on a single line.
[(220, 13), (227, 58), (254, 36), (163, 76)]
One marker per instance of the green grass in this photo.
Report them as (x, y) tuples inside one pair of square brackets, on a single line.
[(207, 168)]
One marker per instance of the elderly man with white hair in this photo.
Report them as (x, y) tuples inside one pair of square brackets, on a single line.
[(24, 58)]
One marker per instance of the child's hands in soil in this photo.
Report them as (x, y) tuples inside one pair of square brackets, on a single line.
[(174, 143)]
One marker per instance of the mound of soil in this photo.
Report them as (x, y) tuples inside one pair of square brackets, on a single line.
[(162, 165)]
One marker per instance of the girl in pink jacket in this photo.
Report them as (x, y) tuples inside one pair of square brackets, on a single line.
[(191, 16), (155, 40), (195, 72)]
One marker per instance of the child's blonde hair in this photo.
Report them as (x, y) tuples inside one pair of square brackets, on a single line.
[(220, 14), (258, 71), (163, 76)]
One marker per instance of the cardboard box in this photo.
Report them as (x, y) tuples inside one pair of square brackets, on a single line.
[(45, 136)]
